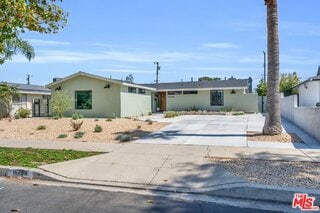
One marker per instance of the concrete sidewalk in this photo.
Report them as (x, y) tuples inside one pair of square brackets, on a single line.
[(169, 166)]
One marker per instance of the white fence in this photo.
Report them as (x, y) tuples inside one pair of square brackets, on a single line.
[(307, 118)]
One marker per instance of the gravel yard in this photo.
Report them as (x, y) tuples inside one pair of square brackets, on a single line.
[(282, 138), (26, 129), (281, 173)]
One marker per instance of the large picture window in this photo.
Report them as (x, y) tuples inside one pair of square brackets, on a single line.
[(217, 98), (84, 99)]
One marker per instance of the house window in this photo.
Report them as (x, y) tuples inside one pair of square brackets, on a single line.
[(217, 98), (141, 91), (84, 99), (190, 92), (132, 90), (174, 92), (19, 99)]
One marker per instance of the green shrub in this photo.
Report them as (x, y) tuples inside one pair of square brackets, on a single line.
[(98, 128), (76, 124), (76, 116), (227, 109), (149, 113), (62, 136), (139, 127), (61, 103), (96, 119), (171, 114), (124, 137), (148, 120), (22, 113), (238, 113), (109, 119), (79, 135), (56, 117), (128, 118), (42, 127)]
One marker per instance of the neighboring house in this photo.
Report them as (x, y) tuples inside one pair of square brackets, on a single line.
[(96, 96), (204, 95), (32, 97), (309, 91)]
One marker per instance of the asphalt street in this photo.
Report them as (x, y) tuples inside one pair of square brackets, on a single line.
[(20, 196)]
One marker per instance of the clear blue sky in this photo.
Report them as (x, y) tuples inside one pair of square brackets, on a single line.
[(189, 38)]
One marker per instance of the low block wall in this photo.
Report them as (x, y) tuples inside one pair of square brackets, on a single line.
[(307, 118)]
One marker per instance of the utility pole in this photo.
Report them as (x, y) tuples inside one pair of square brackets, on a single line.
[(28, 79), (264, 66), (157, 73)]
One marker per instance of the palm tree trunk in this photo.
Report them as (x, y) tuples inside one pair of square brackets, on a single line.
[(272, 124)]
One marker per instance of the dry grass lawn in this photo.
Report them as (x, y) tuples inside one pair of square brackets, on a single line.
[(26, 129)]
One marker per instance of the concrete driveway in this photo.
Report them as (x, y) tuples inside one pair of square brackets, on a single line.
[(204, 130)]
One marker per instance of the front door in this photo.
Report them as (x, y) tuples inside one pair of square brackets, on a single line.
[(163, 101), (36, 108)]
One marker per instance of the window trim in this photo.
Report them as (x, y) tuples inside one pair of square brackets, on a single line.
[(141, 91), (176, 92), (190, 92), (132, 90), (211, 97), (76, 99)]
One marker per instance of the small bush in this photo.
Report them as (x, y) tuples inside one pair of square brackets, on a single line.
[(96, 119), (238, 113), (42, 127), (128, 118), (62, 136), (78, 135), (139, 127), (76, 116), (148, 120), (56, 117), (118, 137), (22, 113), (149, 113), (109, 119), (227, 109), (171, 114), (98, 128), (76, 124), (124, 137)]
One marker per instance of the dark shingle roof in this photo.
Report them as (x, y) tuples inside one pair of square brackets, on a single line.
[(231, 83), (29, 87)]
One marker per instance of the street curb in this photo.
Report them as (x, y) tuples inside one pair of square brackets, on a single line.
[(239, 190)]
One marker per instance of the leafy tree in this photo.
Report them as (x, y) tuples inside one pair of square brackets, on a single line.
[(287, 82), (130, 78), (272, 125), (61, 103), (262, 88), (18, 16), (6, 94), (207, 78)]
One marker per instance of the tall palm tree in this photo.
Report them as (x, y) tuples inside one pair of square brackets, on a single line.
[(272, 124), (14, 46)]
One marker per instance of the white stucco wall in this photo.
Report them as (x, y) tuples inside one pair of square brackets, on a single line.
[(311, 95), (307, 118)]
